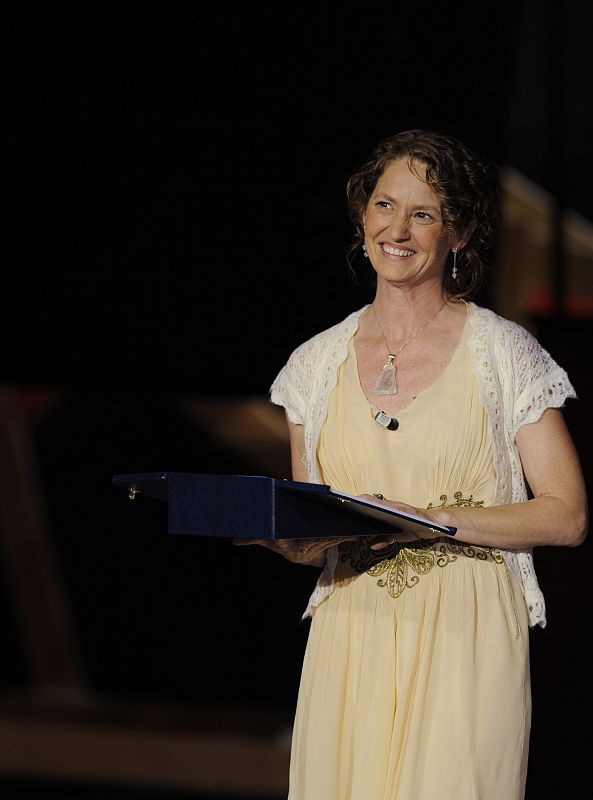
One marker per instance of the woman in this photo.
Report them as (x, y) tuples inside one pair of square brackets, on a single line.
[(415, 682)]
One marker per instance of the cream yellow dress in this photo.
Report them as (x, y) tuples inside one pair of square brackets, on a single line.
[(415, 682)]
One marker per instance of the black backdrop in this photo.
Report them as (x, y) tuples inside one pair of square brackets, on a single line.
[(171, 168), (173, 223)]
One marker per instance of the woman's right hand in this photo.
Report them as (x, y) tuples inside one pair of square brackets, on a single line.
[(299, 551)]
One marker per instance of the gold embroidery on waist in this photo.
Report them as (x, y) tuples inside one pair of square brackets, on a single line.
[(459, 502), (402, 564)]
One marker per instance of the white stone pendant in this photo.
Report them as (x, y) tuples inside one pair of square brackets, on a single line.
[(386, 381)]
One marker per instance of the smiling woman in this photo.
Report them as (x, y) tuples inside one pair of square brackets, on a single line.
[(416, 642), (459, 190), (405, 237)]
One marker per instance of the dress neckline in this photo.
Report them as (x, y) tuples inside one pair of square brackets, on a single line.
[(414, 401)]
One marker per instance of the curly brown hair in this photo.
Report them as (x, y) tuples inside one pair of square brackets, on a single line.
[(467, 186)]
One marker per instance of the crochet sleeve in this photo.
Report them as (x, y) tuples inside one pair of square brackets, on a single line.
[(289, 386), (540, 383)]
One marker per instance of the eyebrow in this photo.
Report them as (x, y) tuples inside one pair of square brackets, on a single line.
[(414, 208)]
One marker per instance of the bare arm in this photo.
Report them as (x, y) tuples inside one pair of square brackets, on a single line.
[(297, 451), (557, 514)]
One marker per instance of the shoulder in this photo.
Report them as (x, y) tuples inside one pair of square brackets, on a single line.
[(500, 328), (324, 340), (493, 320), (519, 357), (312, 357)]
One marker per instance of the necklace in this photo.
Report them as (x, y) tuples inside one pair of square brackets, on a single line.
[(386, 383)]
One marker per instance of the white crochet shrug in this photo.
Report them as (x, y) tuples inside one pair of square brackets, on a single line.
[(518, 380)]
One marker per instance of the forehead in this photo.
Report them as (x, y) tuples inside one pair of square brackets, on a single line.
[(403, 176)]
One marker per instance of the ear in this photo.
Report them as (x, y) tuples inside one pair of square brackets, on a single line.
[(462, 240)]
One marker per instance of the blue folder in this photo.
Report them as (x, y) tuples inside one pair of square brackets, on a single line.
[(260, 507)]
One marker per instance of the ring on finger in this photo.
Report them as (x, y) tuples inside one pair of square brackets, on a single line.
[(379, 496)]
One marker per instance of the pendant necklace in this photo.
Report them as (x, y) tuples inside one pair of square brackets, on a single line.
[(386, 383)]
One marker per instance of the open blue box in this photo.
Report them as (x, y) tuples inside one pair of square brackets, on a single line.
[(260, 507)]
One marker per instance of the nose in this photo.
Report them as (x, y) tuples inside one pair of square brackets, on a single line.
[(399, 227)]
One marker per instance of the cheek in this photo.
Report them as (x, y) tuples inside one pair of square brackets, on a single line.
[(371, 220), (439, 243), (431, 240)]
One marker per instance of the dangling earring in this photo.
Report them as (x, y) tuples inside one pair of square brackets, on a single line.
[(364, 247), (454, 270)]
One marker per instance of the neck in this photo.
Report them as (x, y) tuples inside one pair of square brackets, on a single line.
[(400, 313)]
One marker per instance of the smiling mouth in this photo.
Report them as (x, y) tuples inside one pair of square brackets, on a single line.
[(396, 251)]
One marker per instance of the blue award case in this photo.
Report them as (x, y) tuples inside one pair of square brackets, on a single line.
[(260, 507)]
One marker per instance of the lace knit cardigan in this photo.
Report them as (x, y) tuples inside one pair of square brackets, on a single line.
[(518, 380)]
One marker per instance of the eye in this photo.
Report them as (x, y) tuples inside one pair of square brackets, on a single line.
[(423, 216), (383, 204)]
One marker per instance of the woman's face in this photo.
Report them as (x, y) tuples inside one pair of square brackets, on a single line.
[(404, 233)]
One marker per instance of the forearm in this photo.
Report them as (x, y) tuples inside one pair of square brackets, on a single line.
[(557, 514), (545, 520)]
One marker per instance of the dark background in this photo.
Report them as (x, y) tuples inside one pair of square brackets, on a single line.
[(173, 224)]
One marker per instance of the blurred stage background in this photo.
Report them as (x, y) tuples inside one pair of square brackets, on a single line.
[(173, 224)]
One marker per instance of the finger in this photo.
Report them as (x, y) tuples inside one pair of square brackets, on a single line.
[(241, 542), (383, 544), (287, 546), (401, 537), (319, 545)]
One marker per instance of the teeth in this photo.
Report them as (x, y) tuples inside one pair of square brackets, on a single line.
[(395, 251)]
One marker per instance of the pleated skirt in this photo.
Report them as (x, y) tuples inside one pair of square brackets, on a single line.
[(420, 696)]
